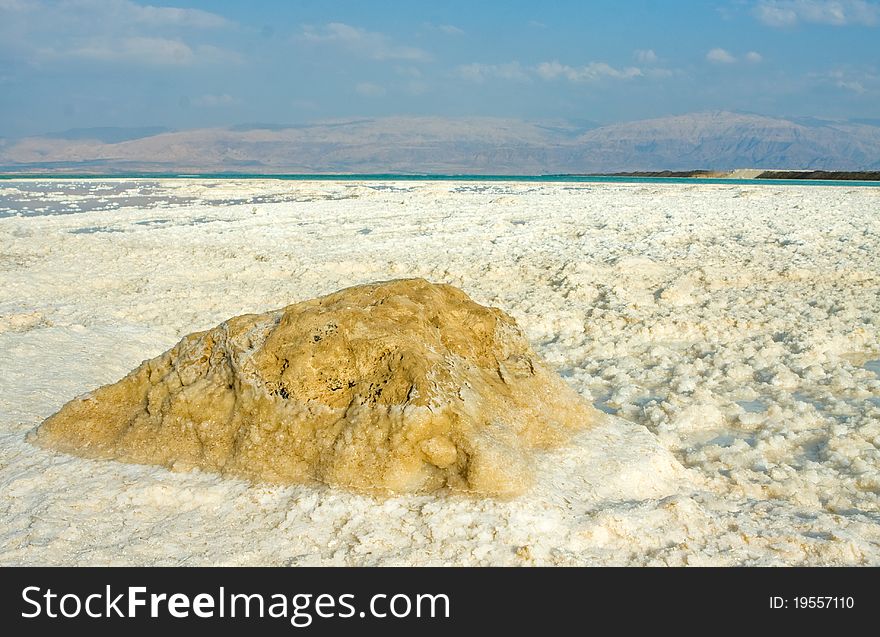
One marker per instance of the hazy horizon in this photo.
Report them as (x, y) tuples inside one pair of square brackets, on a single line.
[(112, 134)]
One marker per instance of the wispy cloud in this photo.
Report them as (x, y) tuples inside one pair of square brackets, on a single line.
[(477, 72), (553, 71), (854, 81), (852, 85), (116, 13), (116, 31), (150, 51), (357, 41), (142, 51), (589, 72), (448, 29), (155, 16), (720, 56), (787, 13), (645, 56), (723, 56)]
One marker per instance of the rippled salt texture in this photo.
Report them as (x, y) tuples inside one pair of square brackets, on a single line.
[(730, 332)]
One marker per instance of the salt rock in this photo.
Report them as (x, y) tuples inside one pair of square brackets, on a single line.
[(401, 386)]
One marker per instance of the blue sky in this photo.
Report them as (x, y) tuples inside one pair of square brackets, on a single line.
[(87, 63)]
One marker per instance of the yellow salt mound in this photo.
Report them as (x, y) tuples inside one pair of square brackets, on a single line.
[(400, 386)]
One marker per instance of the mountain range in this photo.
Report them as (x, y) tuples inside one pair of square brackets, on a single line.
[(711, 140)]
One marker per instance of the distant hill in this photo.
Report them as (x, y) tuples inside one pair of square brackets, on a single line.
[(723, 141), (713, 141)]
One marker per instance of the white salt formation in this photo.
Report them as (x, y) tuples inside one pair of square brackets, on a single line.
[(733, 329), (401, 386)]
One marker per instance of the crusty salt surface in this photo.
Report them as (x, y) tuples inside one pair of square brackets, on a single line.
[(403, 386)]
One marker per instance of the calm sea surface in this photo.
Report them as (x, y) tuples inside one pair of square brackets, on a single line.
[(415, 177)]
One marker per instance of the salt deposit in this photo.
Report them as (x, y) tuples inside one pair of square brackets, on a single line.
[(398, 386), (728, 332)]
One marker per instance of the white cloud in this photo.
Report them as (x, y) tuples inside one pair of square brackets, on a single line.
[(143, 51), (589, 72), (156, 16), (447, 29), (514, 71), (150, 51), (645, 56), (116, 13), (211, 101), (859, 81), (852, 85), (851, 80), (720, 56), (477, 72), (357, 41), (723, 56), (450, 29), (787, 13), (111, 31), (368, 89)]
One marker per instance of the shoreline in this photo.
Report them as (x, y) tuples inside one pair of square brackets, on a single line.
[(757, 173), (739, 176)]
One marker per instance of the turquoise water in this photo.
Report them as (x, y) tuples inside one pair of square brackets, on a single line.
[(410, 177)]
